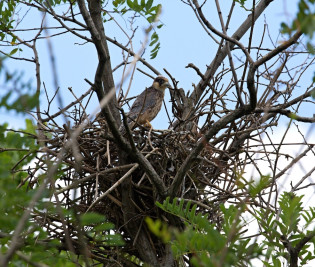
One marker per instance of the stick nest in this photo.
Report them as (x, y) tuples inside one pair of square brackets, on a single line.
[(92, 166)]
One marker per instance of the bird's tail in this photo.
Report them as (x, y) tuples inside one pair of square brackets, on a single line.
[(122, 128)]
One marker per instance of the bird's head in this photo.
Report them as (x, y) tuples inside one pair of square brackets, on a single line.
[(161, 83)]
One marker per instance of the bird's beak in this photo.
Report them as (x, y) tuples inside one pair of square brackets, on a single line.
[(167, 85)]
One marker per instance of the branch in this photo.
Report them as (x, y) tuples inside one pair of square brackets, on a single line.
[(222, 35), (297, 99), (191, 65), (287, 113), (78, 182), (279, 49), (294, 161), (60, 19), (115, 185), (68, 106), (254, 66), (222, 53), (102, 53), (134, 155), (238, 90), (294, 251), (214, 129), (304, 240)]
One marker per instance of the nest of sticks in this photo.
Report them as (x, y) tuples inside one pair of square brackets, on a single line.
[(92, 171)]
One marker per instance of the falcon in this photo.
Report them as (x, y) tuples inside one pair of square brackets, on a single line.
[(147, 105)]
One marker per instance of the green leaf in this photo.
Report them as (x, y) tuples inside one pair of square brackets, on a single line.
[(276, 262), (30, 127), (92, 218), (148, 5), (130, 4), (104, 226), (114, 240), (285, 28), (24, 102), (116, 3), (13, 51), (310, 48), (159, 228), (154, 41), (256, 188), (136, 7), (291, 208), (156, 48)]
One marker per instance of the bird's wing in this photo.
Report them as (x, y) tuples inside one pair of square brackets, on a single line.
[(143, 101)]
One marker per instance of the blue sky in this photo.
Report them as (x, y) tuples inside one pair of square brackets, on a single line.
[(182, 39)]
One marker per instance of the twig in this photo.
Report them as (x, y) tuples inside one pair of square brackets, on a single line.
[(126, 175)]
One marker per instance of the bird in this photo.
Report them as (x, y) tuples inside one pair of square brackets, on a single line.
[(147, 105)]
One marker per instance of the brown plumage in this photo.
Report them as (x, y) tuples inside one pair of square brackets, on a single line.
[(147, 105)]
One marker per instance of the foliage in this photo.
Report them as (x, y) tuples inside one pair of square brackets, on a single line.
[(18, 149), (13, 202), (36, 245), (19, 95), (304, 21), (16, 145), (85, 165), (205, 242), (288, 231), (147, 10), (208, 245), (144, 8), (99, 229), (6, 12)]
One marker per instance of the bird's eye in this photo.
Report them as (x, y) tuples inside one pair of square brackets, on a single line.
[(161, 81)]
